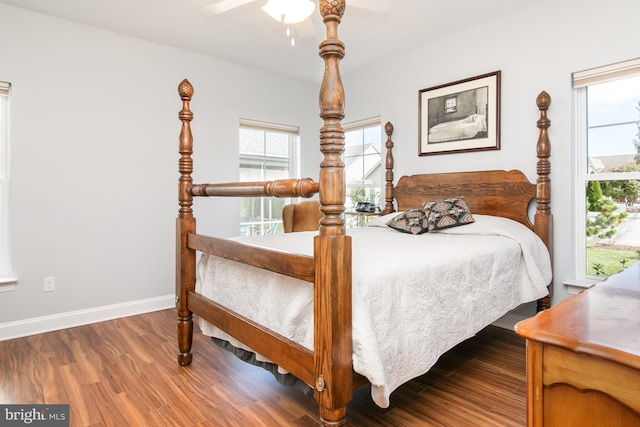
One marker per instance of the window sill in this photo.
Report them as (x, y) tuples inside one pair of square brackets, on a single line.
[(575, 286), (8, 284)]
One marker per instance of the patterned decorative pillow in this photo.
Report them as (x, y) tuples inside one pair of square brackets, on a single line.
[(447, 213), (413, 221)]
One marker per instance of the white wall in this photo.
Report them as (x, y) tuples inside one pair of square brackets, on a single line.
[(94, 139), (536, 49)]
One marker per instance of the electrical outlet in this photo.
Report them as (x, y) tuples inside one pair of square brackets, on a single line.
[(49, 284)]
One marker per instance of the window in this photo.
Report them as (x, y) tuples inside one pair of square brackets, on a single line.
[(451, 105), (608, 165), (267, 152), (363, 167), (5, 254)]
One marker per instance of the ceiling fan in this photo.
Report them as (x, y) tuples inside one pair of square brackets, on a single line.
[(294, 12)]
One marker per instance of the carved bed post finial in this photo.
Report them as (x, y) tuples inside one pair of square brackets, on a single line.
[(543, 188), (388, 189), (543, 149), (332, 191), (185, 224), (185, 164)]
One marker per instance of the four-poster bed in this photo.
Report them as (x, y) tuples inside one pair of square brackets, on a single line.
[(325, 264)]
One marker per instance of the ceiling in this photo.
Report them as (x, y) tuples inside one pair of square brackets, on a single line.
[(248, 36)]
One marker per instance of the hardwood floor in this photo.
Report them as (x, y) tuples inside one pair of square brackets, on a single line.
[(124, 373)]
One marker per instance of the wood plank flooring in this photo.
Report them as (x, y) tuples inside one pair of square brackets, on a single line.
[(124, 373)]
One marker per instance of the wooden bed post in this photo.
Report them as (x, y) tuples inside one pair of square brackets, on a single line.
[(185, 224), (388, 188), (332, 247), (543, 219)]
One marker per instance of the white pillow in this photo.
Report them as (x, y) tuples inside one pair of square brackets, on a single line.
[(381, 221)]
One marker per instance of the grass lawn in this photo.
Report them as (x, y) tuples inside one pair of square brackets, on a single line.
[(609, 261)]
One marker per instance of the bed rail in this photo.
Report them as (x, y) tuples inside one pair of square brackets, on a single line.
[(277, 348), (293, 265), (304, 187)]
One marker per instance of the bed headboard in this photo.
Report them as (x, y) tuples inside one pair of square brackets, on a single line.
[(496, 192)]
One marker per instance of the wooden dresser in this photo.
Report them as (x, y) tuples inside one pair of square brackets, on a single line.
[(583, 357)]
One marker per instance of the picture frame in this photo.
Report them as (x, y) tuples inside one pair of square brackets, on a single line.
[(462, 116)]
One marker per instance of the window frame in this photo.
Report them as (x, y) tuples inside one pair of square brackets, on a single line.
[(581, 81), (7, 280), (372, 122), (293, 133)]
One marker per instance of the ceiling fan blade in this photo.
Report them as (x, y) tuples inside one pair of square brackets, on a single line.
[(226, 5), (378, 6), (305, 28)]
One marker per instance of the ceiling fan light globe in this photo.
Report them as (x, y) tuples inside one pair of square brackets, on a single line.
[(289, 11)]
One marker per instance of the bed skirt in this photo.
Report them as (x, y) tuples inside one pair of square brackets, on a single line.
[(286, 379)]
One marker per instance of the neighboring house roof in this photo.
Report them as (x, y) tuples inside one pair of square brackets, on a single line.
[(595, 165), (602, 163), (352, 151), (361, 161)]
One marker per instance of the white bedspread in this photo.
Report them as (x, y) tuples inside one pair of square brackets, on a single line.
[(414, 296)]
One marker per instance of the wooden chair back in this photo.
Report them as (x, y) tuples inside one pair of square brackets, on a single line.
[(302, 216)]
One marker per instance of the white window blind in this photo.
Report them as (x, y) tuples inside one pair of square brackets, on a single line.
[(361, 124), (268, 127), (606, 73)]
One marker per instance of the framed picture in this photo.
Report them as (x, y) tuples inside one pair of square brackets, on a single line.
[(461, 116)]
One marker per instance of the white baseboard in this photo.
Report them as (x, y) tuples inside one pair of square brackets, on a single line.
[(38, 325)]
